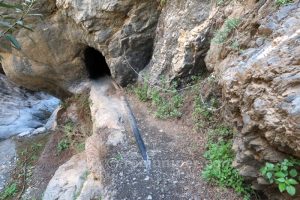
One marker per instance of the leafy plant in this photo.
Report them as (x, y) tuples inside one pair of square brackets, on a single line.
[(14, 17), (220, 157), (229, 25), (283, 174), (9, 191)]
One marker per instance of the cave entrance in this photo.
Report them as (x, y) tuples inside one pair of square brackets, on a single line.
[(95, 63)]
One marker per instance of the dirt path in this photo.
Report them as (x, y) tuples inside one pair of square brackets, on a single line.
[(176, 155)]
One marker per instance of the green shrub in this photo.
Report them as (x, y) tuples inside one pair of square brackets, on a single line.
[(220, 157), (283, 174)]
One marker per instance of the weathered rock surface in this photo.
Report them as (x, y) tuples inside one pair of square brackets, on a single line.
[(82, 176), (128, 33), (181, 39), (52, 60), (261, 88), (23, 111), (7, 161), (68, 180)]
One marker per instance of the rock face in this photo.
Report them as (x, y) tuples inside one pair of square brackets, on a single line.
[(123, 31), (181, 39), (82, 177), (23, 111), (129, 34), (7, 162), (261, 87)]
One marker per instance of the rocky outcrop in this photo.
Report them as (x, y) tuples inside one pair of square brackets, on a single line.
[(52, 59), (181, 39), (22, 111), (82, 177), (261, 89), (169, 38)]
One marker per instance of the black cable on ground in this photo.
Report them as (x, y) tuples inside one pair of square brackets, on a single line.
[(138, 137)]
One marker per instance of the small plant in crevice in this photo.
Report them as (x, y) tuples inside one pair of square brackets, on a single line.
[(201, 112), (204, 109), (63, 145), (221, 2), (283, 2), (222, 35), (220, 157), (9, 191), (162, 3), (284, 174)]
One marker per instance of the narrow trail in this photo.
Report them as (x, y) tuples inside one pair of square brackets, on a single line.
[(112, 167), (175, 168)]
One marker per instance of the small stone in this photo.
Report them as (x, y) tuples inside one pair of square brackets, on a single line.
[(161, 131), (147, 178), (149, 197)]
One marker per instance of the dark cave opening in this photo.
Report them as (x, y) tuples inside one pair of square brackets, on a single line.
[(95, 63)]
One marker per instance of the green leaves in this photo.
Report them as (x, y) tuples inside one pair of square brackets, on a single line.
[(9, 6), (280, 174), (219, 169), (283, 174), (291, 190), (282, 187), (293, 173), (13, 41), (14, 17), (282, 2)]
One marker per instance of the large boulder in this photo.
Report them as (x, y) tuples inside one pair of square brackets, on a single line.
[(52, 57), (23, 111)]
